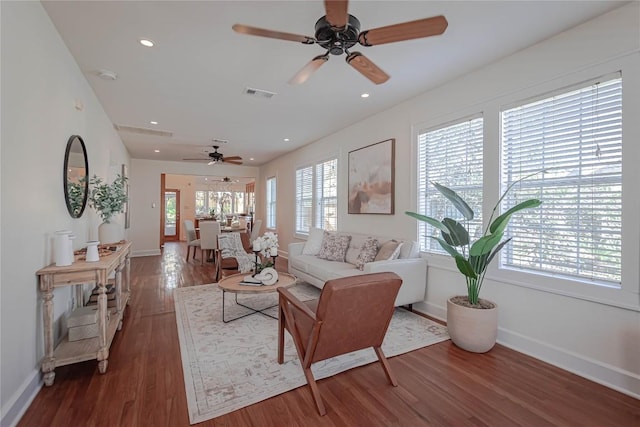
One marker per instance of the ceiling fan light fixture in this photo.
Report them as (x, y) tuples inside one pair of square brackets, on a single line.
[(146, 42), (364, 95)]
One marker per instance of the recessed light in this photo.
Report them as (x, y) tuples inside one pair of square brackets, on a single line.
[(251, 158), (286, 140), (364, 95), (153, 122), (156, 151), (146, 42)]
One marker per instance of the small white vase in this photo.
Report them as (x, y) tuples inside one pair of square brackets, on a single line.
[(110, 232), (92, 251)]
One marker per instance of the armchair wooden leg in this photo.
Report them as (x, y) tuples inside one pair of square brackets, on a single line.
[(280, 335), (385, 365), (188, 251), (315, 393)]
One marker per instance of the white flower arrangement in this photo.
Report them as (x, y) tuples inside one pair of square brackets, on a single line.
[(267, 244)]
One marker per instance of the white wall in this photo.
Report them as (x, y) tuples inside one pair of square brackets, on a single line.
[(145, 196), (40, 84), (598, 340)]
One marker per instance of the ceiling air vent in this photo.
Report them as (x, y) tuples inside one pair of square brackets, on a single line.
[(142, 131), (259, 93)]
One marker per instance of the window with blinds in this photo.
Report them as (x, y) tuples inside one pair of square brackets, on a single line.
[(327, 195), (317, 197), (576, 137), (271, 202), (451, 156)]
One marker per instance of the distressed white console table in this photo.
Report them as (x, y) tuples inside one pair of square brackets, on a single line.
[(109, 319)]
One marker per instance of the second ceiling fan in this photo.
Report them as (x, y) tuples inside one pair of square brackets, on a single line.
[(338, 31)]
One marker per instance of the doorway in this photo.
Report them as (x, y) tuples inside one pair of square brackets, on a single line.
[(171, 215)]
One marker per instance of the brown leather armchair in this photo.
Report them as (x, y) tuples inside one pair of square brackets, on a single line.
[(365, 303), (227, 266)]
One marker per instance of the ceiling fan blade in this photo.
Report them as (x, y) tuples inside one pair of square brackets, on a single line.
[(233, 162), (337, 12), (306, 71), (367, 68), (261, 32), (405, 31), (232, 158)]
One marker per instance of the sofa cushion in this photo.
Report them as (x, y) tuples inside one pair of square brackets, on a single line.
[(334, 247), (389, 250), (368, 252), (327, 270), (314, 242), (409, 250), (355, 246)]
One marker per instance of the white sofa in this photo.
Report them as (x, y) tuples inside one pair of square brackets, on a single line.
[(409, 266)]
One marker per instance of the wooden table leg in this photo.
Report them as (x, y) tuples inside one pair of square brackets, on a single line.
[(48, 362), (103, 352)]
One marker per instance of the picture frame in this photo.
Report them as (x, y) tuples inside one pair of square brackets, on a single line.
[(372, 179), (127, 211)]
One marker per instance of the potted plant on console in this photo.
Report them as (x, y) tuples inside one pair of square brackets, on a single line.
[(108, 200), (472, 321)]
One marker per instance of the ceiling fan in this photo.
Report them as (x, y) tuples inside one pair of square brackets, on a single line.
[(215, 157), (338, 31)]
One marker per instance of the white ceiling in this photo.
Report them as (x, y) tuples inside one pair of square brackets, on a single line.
[(192, 81)]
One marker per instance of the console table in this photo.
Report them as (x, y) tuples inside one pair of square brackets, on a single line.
[(109, 320)]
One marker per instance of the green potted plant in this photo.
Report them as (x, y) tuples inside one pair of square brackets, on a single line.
[(472, 322), (108, 200)]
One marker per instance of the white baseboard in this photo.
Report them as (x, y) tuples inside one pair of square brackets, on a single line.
[(146, 252), (18, 404), (609, 376)]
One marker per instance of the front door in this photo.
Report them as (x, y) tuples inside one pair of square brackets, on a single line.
[(171, 215)]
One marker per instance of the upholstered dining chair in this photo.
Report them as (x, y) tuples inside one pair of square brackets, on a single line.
[(364, 303), (234, 254), (209, 232), (255, 230), (192, 240)]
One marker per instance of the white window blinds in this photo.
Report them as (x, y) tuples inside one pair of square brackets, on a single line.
[(317, 197), (271, 203), (327, 195), (576, 136), (451, 156), (304, 199)]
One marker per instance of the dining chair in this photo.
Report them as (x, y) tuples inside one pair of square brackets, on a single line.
[(255, 230), (365, 303), (192, 240), (234, 254), (209, 232)]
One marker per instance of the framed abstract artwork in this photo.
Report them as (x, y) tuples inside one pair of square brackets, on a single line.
[(371, 179)]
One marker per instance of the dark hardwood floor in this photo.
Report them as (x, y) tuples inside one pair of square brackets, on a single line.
[(439, 385)]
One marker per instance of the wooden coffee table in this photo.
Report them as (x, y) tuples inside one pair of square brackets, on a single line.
[(232, 284)]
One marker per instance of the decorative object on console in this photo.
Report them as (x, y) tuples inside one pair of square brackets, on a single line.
[(63, 248), (92, 251), (473, 322), (371, 179), (108, 200)]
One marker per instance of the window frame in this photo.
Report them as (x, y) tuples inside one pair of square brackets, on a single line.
[(271, 203), (315, 200)]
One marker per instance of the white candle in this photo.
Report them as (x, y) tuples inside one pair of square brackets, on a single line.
[(256, 245), (274, 251)]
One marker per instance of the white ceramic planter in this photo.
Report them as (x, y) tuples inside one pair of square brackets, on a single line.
[(472, 329), (110, 232)]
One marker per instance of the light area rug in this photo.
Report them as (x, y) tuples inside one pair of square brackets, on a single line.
[(228, 366)]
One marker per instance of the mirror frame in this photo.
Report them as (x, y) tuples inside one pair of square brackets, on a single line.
[(65, 170)]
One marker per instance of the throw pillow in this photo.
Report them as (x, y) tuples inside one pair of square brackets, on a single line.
[(367, 253), (334, 247), (314, 241), (389, 250)]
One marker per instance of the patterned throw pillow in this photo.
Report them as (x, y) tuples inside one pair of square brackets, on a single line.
[(389, 250), (367, 253), (334, 247)]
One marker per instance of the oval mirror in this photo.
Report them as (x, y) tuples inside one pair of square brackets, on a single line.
[(76, 171)]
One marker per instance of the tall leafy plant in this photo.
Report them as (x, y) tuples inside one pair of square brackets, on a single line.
[(107, 199), (473, 258)]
